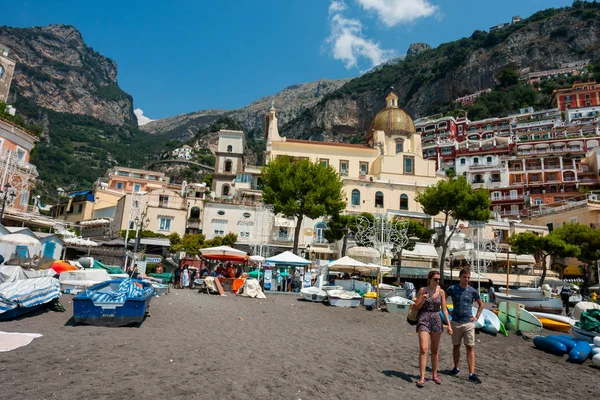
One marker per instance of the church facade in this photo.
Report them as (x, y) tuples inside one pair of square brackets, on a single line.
[(382, 176)]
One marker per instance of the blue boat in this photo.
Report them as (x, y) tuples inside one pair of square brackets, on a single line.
[(117, 302)]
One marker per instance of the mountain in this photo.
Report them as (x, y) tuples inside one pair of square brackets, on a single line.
[(57, 71), (430, 79), (69, 93), (290, 103)]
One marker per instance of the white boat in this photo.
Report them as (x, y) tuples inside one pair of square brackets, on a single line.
[(582, 334), (343, 298), (327, 288), (398, 304), (313, 294), (555, 317), (73, 282), (575, 298), (386, 290), (532, 302)]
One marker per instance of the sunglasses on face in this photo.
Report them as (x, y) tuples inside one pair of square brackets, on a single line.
[(436, 279)]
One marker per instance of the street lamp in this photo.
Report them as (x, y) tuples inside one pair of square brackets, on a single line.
[(8, 196), (139, 223)]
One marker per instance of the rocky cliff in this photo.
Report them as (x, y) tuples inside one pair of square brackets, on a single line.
[(57, 71), (432, 78), (290, 103)]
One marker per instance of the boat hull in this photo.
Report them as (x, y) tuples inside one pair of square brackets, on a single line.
[(582, 334), (338, 302), (542, 304), (314, 297), (131, 311)]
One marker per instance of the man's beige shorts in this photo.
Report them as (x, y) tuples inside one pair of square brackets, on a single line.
[(463, 331)]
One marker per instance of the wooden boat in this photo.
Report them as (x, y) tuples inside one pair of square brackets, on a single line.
[(313, 294), (117, 302), (343, 298), (532, 302), (554, 325)]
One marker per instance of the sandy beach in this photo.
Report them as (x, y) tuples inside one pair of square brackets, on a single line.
[(196, 346)]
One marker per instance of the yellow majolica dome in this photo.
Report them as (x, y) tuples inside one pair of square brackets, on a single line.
[(392, 120)]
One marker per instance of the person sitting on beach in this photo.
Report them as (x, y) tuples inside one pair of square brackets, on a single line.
[(463, 321), (429, 324), (203, 270)]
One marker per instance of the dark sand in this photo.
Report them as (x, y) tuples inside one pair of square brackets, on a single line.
[(211, 347)]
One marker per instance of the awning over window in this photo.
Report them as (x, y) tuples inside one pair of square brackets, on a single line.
[(513, 279), (572, 270), (515, 259), (422, 251)]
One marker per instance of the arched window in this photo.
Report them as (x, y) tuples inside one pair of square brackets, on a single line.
[(229, 148), (228, 166), (403, 202), (319, 228), (225, 190), (195, 212), (378, 199), (355, 197)]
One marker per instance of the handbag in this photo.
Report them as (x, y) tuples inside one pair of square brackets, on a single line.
[(413, 315)]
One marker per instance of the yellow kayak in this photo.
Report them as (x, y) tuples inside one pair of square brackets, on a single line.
[(554, 325)]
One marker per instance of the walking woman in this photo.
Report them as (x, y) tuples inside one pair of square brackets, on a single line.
[(429, 324), (185, 277)]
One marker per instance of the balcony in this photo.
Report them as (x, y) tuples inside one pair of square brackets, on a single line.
[(193, 223), (507, 198), (513, 213), (281, 239), (551, 166), (167, 205), (234, 200)]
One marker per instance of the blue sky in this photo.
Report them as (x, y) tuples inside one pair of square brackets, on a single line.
[(181, 56)]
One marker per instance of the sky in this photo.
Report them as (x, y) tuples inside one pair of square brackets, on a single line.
[(182, 56)]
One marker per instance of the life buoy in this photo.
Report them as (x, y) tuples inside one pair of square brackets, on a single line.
[(308, 231)]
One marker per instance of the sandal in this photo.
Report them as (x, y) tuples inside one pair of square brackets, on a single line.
[(421, 383), (437, 380)]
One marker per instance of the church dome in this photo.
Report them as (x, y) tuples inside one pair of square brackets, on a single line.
[(392, 120)]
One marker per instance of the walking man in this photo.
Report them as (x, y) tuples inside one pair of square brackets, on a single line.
[(463, 322)]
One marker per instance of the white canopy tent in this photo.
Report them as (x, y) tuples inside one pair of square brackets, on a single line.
[(348, 264), (288, 258)]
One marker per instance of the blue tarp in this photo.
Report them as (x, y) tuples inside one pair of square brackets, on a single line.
[(88, 193), (128, 288), (27, 293)]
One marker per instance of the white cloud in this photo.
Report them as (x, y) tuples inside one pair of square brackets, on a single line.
[(347, 41), (142, 119), (394, 12), (337, 6)]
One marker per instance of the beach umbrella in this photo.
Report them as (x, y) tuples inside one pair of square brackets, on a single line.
[(222, 251), (257, 259)]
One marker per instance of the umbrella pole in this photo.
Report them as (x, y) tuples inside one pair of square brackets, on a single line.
[(377, 289)]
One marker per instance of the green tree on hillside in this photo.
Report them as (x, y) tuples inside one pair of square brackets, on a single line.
[(302, 189), (457, 201)]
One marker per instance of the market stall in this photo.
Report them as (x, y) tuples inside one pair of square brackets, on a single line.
[(282, 264)]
